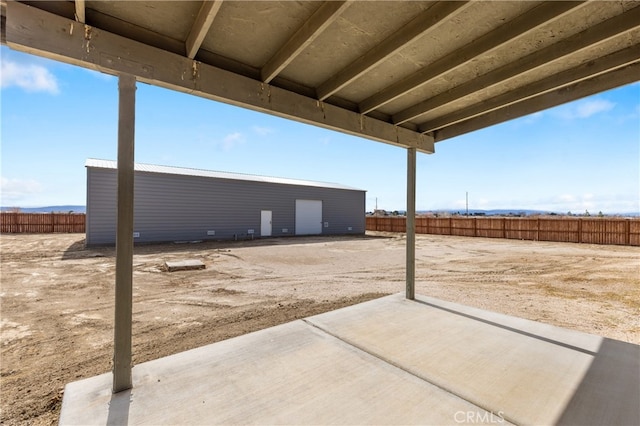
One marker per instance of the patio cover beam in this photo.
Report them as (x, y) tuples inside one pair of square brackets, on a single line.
[(600, 33), (585, 71), (581, 89), (34, 31)]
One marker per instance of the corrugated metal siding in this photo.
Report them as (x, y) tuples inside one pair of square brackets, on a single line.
[(101, 206), (170, 207)]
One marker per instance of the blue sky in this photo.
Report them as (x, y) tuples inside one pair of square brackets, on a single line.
[(579, 156)]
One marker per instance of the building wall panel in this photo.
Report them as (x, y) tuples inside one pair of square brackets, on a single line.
[(169, 207)]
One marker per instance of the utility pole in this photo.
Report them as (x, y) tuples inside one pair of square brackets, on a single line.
[(467, 197)]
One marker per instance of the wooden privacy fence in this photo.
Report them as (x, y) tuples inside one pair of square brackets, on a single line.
[(574, 230), (39, 223)]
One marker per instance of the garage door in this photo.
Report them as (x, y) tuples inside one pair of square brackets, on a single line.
[(308, 217)]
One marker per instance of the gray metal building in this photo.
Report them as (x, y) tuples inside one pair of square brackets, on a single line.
[(180, 204)]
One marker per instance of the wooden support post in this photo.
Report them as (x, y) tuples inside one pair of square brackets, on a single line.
[(411, 223), (124, 236)]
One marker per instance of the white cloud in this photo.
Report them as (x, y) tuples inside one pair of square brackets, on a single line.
[(533, 118), (263, 131), (29, 77), (633, 115), (474, 204), (584, 109), (325, 140), (232, 140), (588, 108), (100, 75), (565, 198), (578, 203), (16, 189)]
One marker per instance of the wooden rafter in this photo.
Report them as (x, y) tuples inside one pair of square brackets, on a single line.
[(426, 21), (200, 28), (587, 70), (80, 11), (590, 37), (493, 39), (573, 92), (309, 31)]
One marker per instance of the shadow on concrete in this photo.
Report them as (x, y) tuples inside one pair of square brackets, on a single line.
[(609, 392), (119, 408), (506, 327)]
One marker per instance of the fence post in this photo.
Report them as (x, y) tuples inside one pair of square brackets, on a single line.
[(627, 232), (504, 227), (579, 230), (475, 226)]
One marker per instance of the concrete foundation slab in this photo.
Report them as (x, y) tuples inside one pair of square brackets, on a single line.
[(387, 361), (184, 265)]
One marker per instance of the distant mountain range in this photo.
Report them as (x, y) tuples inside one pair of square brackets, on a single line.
[(520, 212), (513, 212), (473, 212), (47, 209), (495, 212)]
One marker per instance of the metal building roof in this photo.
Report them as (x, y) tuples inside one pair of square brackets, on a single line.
[(183, 171), (406, 73)]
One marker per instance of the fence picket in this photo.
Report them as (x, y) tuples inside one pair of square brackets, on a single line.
[(39, 223), (613, 231)]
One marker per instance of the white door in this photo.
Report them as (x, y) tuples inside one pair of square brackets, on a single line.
[(308, 217), (265, 223)]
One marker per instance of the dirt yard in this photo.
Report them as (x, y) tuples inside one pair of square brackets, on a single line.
[(57, 296)]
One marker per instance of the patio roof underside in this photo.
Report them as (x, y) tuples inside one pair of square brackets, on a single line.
[(405, 73)]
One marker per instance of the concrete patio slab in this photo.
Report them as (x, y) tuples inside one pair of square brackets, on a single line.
[(532, 373), (387, 361)]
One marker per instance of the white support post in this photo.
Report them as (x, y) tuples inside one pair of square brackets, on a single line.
[(411, 223), (124, 236)]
